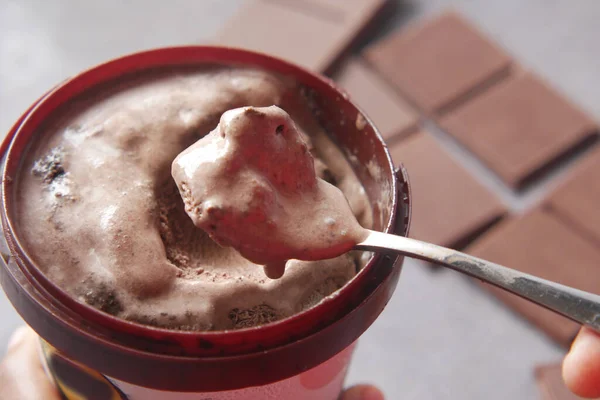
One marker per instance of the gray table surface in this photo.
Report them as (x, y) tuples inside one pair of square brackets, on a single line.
[(441, 336)]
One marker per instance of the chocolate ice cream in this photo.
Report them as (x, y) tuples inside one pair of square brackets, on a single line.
[(102, 218), (251, 184)]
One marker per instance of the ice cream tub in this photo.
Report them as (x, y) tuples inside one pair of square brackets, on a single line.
[(91, 354)]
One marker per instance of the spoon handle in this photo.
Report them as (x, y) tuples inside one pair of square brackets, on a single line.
[(580, 306)]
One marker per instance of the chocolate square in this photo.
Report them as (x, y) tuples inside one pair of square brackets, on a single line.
[(577, 199), (540, 244), (518, 127), (311, 33), (439, 62), (390, 113), (449, 206)]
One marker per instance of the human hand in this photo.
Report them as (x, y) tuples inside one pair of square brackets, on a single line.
[(22, 375), (581, 367)]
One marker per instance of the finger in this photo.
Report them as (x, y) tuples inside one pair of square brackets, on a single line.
[(362, 392), (581, 367), (21, 373)]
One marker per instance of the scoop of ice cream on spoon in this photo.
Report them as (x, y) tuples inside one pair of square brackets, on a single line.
[(251, 184)]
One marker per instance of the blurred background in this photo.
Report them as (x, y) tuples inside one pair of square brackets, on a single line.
[(441, 336)]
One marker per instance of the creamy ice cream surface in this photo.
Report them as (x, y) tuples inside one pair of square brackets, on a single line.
[(251, 184), (101, 216)]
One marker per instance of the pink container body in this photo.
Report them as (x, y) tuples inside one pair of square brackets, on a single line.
[(76, 382)]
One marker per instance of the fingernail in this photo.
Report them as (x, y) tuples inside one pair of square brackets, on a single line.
[(581, 366), (370, 393), (17, 337), (576, 347), (581, 341), (352, 394), (363, 392)]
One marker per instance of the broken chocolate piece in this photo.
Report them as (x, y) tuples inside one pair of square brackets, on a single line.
[(518, 127), (311, 33), (438, 62), (449, 205), (540, 244), (392, 116), (576, 200)]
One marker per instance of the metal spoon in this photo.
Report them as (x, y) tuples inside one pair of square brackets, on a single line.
[(580, 306)]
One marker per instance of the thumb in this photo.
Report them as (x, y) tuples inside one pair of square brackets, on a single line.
[(21, 373), (362, 392), (581, 367)]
